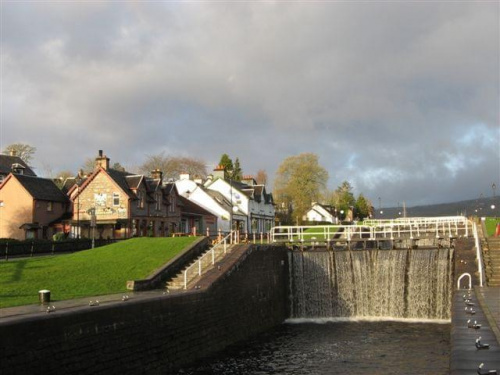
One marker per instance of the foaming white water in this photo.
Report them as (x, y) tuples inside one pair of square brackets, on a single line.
[(366, 284), (364, 319)]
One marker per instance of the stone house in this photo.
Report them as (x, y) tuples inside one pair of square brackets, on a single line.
[(31, 207), (115, 204)]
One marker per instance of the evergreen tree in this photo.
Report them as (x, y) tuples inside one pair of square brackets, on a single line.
[(362, 207), (237, 174)]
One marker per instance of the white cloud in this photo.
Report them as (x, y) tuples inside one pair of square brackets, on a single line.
[(400, 85)]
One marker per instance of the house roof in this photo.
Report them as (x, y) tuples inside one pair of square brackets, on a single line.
[(6, 162), (41, 188), (220, 199), (191, 208), (133, 180)]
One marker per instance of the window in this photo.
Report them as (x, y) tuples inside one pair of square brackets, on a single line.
[(158, 201), (140, 202), (172, 204), (49, 206), (116, 199)]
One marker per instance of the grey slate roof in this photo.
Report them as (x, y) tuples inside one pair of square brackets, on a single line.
[(41, 188), (6, 162), (191, 208)]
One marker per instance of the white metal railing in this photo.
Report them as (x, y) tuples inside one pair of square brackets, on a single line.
[(461, 277), (479, 253), (209, 257), (440, 227)]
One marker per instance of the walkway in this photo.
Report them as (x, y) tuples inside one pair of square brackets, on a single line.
[(465, 357)]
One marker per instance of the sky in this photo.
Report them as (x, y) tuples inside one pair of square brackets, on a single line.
[(400, 98)]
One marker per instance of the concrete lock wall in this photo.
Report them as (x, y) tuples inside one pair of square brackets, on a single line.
[(154, 335)]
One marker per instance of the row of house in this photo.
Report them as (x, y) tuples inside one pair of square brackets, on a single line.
[(115, 204)]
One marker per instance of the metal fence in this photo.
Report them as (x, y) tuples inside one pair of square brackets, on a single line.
[(16, 249)]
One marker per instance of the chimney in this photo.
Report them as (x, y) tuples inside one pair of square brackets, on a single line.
[(219, 172), (13, 153), (184, 176), (102, 161), (249, 180), (157, 175)]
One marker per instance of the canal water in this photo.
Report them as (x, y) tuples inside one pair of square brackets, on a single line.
[(318, 347)]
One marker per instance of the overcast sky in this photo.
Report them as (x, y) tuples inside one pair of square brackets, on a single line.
[(401, 98)]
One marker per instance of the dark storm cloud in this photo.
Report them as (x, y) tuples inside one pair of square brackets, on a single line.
[(400, 98)]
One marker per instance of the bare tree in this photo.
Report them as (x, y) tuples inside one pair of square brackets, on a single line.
[(173, 166), (23, 150), (261, 177)]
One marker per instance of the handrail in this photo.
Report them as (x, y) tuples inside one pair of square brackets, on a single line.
[(460, 279), (374, 229), (219, 248), (479, 253)]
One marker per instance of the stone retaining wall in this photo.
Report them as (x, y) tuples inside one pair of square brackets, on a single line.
[(465, 262), (153, 335)]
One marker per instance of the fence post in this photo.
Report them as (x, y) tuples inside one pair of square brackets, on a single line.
[(52, 248), (32, 244), (7, 251)]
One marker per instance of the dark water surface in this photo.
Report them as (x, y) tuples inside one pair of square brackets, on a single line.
[(337, 348)]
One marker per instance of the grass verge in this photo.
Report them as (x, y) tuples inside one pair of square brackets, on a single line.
[(491, 225), (104, 270)]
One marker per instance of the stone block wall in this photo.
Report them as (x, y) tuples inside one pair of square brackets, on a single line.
[(465, 262), (153, 335)]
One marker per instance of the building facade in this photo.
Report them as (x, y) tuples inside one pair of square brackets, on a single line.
[(116, 204), (31, 208)]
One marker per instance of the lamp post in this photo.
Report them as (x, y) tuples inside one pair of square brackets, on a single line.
[(231, 205), (77, 210), (494, 188)]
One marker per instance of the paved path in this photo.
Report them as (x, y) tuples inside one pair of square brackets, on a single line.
[(465, 357)]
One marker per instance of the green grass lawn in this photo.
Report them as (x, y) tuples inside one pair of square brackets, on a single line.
[(491, 224), (317, 233), (104, 270)]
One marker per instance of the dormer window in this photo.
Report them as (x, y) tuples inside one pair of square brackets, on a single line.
[(17, 168)]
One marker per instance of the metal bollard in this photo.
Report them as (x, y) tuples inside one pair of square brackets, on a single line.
[(44, 296)]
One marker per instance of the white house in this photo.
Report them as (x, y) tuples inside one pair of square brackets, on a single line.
[(247, 198), (321, 213), (211, 201)]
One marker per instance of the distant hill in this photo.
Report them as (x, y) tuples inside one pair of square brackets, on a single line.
[(475, 207)]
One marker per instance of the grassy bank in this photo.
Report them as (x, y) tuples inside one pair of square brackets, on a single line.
[(104, 270), (491, 225)]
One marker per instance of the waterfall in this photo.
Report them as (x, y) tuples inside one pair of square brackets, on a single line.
[(413, 284)]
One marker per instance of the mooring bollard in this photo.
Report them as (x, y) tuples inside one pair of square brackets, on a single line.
[(44, 296)]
